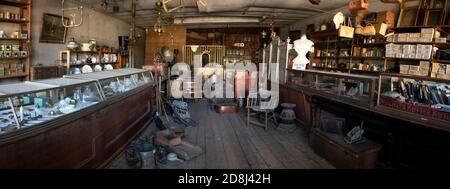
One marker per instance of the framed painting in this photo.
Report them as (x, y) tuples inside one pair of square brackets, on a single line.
[(52, 29)]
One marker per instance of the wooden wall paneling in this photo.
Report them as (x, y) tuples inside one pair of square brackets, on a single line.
[(217, 53), (155, 41)]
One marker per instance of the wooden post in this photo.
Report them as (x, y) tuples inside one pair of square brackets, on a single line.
[(132, 35)]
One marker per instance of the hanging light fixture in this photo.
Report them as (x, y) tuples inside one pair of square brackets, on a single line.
[(71, 23), (273, 34), (263, 34), (104, 4), (158, 27)]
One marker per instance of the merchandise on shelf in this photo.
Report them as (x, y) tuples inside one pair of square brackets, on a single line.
[(418, 51), (416, 95)]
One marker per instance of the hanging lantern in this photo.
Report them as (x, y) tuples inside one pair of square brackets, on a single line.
[(158, 27), (314, 2), (264, 34)]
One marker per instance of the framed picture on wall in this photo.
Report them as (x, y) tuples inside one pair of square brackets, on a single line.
[(52, 29)]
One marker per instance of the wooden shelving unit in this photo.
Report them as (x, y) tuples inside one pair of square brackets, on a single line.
[(14, 21), (329, 41), (74, 65), (23, 24), (14, 76), (15, 3), (15, 58), (67, 55), (13, 39)]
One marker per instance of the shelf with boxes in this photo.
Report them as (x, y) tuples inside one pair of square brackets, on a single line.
[(361, 54), (421, 51), (14, 3)]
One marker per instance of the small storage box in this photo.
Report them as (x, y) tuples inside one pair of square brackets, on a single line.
[(227, 108)]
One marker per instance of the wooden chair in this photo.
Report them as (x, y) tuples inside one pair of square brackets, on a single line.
[(257, 106)]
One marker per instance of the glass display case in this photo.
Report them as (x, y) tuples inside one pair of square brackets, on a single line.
[(117, 81), (416, 94), (341, 86), (28, 103)]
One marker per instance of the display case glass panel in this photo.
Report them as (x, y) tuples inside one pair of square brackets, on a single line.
[(358, 88), (29, 104), (118, 81)]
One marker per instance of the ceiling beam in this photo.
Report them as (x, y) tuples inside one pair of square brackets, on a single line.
[(102, 11)]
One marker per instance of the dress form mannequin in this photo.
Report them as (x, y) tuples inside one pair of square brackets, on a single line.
[(338, 19), (302, 46)]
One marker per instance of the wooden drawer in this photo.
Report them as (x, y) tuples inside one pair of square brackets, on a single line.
[(343, 156)]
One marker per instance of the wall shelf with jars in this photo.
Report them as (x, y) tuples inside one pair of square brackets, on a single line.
[(88, 57), (15, 40)]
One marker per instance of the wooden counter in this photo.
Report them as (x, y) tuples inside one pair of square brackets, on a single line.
[(408, 140), (89, 138), (301, 99)]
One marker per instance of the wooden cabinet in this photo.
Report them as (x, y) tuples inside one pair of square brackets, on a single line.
[(15, 61), (344, 156), (46, 72), (407, 140), (87, 139), (301, 100)]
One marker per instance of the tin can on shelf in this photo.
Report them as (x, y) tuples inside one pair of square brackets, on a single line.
[(7, 15)]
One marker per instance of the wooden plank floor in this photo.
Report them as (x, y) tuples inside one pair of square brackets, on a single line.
[(228, 143)]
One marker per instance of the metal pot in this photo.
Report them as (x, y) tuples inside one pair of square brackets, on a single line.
[(72, 44), (85, 47), (93, 43)]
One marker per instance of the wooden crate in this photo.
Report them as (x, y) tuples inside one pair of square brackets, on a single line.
[(343, 156)]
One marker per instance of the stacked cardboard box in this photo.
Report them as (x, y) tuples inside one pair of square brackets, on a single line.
[(424, 68), (440, 40), (414, 70), (424, 51), (425, 36), (421, 70), (447, 72), (404, 69), (440, 71), (402, 37), (390, 50), (409, 51), (2, 70), (413, 37)]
